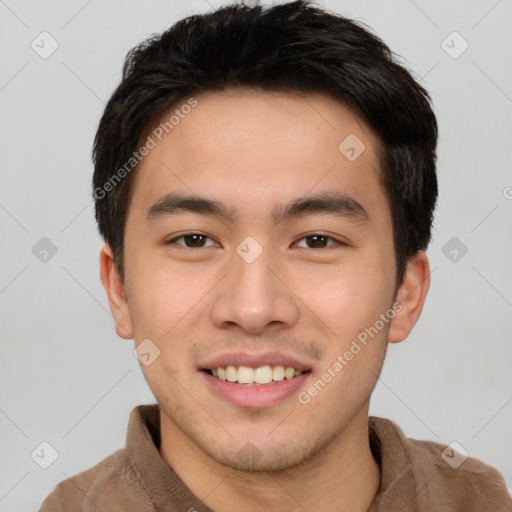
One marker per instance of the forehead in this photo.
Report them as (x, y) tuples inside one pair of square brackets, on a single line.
[(253, 149)]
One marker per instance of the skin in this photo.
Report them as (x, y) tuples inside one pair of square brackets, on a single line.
[(253, 151)]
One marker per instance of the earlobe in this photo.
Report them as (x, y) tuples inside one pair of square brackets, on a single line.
[(114, 286), (410, 297)]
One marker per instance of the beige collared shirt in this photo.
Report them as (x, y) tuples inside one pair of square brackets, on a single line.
[(414, 477)]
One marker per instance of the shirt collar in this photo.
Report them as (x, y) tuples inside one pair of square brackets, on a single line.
[(165, 489), (168, 492)]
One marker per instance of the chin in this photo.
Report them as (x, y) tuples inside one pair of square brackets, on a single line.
[(262, 454), (252, 459)]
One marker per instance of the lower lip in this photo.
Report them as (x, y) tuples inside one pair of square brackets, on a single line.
[(256, 396)]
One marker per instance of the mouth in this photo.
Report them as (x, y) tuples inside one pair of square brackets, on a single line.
[(255, 380), (260, 376)]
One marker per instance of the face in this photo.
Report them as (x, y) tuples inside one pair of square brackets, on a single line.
[(258, 250)]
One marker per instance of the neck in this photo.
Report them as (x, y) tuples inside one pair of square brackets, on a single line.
[(344, 476)]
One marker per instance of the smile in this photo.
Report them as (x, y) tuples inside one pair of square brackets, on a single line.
[(246, 375)]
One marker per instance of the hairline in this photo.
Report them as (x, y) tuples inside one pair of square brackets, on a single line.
[(299, 92)]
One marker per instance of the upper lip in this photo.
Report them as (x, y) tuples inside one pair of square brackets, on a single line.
[(254, 360)]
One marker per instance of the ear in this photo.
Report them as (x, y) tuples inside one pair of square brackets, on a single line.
[(411, 297), (114, 286)]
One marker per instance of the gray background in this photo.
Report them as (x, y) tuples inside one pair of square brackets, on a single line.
[(65, 377)]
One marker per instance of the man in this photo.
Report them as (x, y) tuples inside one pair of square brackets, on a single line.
[(265, 184)]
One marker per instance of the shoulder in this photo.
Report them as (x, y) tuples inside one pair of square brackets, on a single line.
[(452, 470), (430, 474), (86, 491), (454, 481)]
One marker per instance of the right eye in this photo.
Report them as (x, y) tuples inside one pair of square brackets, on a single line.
[(192, 240)]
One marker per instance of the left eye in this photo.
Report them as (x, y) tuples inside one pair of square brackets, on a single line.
[(317, 241), (193, 240)]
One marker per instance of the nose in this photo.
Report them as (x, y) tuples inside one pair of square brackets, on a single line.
[(254, 298)]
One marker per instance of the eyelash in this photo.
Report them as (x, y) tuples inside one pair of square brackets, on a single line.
[(330, 238), (173, 241)]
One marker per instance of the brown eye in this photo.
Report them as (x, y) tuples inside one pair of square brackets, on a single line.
[(317, 241), (192, 240)]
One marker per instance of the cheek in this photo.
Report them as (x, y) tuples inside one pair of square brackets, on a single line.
[(153, 299), (164, 298), (347, 298)]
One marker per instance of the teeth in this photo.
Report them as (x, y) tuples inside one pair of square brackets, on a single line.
[(278, 373), (245, 375), (289, 373), (231, 374), (261, 375)]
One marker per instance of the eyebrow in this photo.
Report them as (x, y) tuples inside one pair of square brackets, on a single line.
[(333, 203), (172, 204)]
